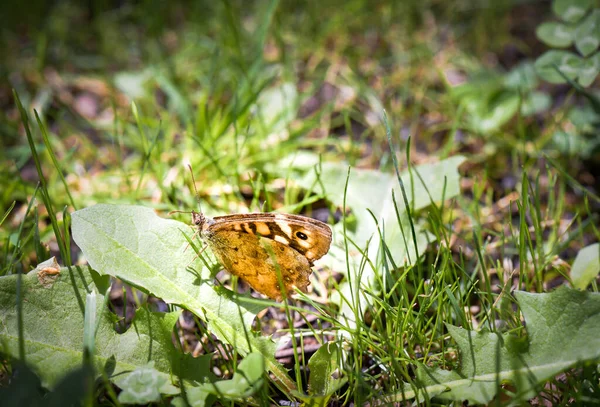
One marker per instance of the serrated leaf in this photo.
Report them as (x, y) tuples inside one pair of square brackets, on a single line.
[(567, 62), (555, 34), (587, 34), (53, 330), (571, 10), (586, 266), (565, 319), (149, 252)]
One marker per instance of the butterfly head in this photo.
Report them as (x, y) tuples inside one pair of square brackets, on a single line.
[(198, 219)]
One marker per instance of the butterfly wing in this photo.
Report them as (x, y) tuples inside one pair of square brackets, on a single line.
[(263, 263), (307, 236), (268, 249)]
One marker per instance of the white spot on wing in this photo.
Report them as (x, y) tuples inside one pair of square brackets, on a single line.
[(304, 243), (285, 228), (281, 239)]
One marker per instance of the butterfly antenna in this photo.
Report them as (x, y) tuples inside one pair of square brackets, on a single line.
[(172, 212), (195, 190)]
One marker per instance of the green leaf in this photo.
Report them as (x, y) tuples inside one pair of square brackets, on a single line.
[(590, 67), (136, 246), (521, 78), (571, 10), (586, 266), (535, 102), (498, 110), (565, 319), (587, 35), (584, 118), (492, 100), (53, 328), (573, 143), (323, 365), (195, 397), (567, 62), (555, 34), (370, 192), (246, 381), (142, 386), (25, 389)]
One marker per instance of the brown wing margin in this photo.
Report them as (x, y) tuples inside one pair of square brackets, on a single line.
[(248, 223)]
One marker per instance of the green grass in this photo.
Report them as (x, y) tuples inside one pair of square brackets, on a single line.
[(279, 106)]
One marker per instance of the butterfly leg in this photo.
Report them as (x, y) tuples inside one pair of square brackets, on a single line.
[(197, 254)]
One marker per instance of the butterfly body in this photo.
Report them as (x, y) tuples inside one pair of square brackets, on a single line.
[(268, 250)]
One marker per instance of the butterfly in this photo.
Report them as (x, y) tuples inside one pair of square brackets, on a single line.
[(273, 252)]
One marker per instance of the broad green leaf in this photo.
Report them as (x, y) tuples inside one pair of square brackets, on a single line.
[(53, 319), (580, 140), (596, 59), (142, 386), (585, 118), (25, 388), (499, 110), (323, 365), (555, 34), (195, 397), (246, 381), (321, 383), (136, 246), (586, 266), (574, 143), (370, 192), (522, 78), (590, 67), (587, 35), (535, 102), (567, 62), (571, 10), (565, 319), (493, 100)]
